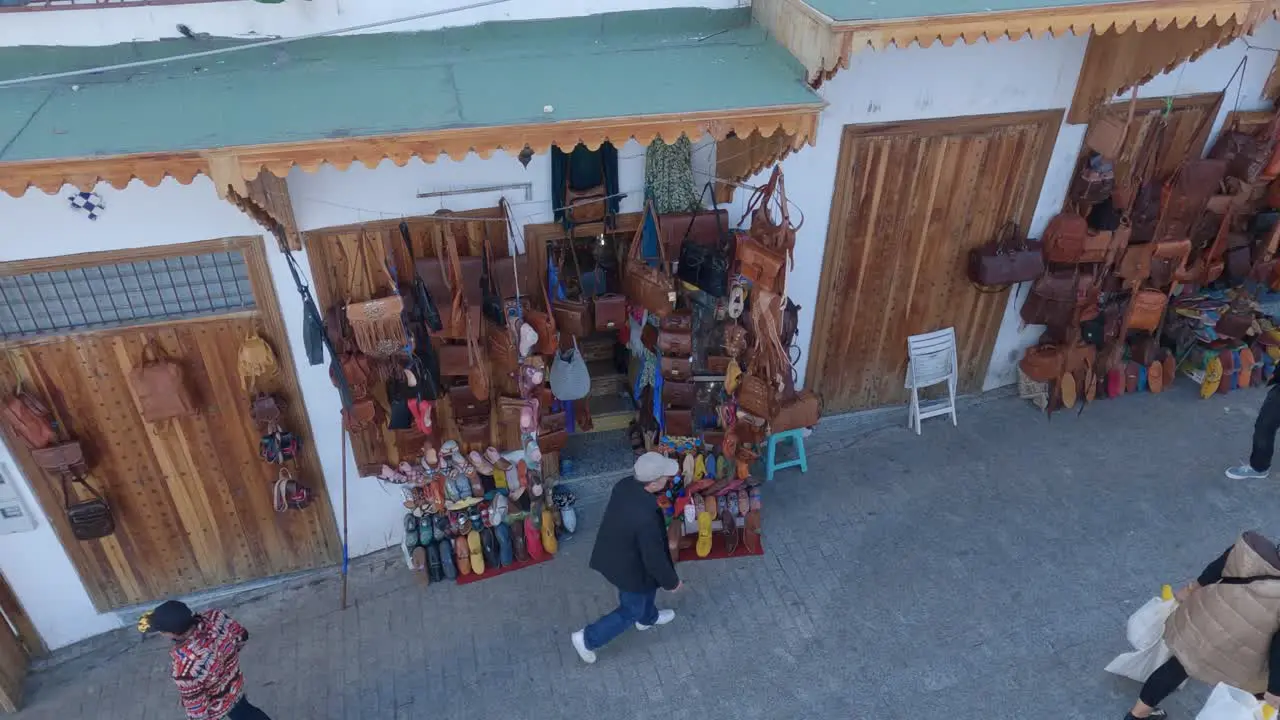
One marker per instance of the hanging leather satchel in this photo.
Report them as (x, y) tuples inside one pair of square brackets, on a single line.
[(1135, 264), (29, 419), (677, 423), (1056, 299), (553, 441), (706, 265), (1146, 310), (675, 342), (678, 394), (573, 316), (587, 205), (474, 431), (1108, 132), (1006, 260), (1243, 155), (89, 519), (756, 396), (60, 458), (377, 325), (362, 415), (1065, 238), (478, 368), (160, 387), (650, 287), (800, 411), (779, 237), (1094, 183), (1042, 363), (610, 311), (763, 266), (676, 368)]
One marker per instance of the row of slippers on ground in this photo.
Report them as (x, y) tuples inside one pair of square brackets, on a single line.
[(485, 539), (448, 480), (740, 521)]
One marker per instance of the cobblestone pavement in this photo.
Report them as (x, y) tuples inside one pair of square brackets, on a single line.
[(976, 572)]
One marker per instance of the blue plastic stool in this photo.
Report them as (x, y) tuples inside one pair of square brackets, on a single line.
[(797, 439)]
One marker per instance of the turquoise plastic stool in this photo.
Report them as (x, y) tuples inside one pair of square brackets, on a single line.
[(797, 440)]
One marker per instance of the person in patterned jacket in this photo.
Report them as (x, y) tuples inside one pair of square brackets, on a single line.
[(206, 660)]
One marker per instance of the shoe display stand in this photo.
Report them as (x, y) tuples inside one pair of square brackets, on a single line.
[(714, 515)]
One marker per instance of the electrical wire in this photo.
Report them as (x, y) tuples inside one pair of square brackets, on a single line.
[(247, 46)]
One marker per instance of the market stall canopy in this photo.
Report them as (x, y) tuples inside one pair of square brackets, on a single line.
[(824, 33), (364, 98)]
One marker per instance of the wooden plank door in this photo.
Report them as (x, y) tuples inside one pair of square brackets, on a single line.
[(911, 200), (191, 498)]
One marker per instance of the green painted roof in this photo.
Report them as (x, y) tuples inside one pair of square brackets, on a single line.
[(854, 10), (618, 64)]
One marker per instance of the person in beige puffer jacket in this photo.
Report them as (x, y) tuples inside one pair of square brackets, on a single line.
[(1225, 629)]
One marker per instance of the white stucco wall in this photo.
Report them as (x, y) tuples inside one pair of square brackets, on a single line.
[(980, 79), (248, 19)]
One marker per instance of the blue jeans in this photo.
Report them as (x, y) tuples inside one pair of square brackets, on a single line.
[(632, 608)]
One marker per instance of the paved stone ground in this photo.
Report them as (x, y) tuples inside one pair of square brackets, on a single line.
[(973, 573)]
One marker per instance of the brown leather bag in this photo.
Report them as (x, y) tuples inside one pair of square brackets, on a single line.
[(1065, 238), (455, 360), (474, 431), (756, 396), (545, 326), (359, 372), (501, 349), (478, 368), (29, 419), (763, 266), (60, 458), (1135, 264), (587, 205), (1008, 259), (573, 316), (682, 320), (675, 342), (676, 368), (800, 411), (678, 394), (363, 415), (512, 276), (1146, 310), (1108, 132), (89, 519), (652, 288), (553, 421), (718, 364), (610, 312), (1168, 262), (160, 387), (553, 441), (1059, 299), (465, 404), (1043, 363), (677, 422), (777, 237)]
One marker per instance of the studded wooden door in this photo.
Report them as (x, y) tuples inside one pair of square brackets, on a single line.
[(911, 200), (191, 498)]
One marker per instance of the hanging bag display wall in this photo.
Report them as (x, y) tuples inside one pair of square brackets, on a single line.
[(160, 387)]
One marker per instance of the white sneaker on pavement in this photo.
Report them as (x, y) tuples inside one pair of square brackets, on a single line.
[(664, 617), (580, 644)]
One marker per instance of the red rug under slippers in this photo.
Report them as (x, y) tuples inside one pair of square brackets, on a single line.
[(718, 551), (491, 572)]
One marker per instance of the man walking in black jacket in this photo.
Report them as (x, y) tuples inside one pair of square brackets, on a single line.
[(1264, 437), (631, 553)]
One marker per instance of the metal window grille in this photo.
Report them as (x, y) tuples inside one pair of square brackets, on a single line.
[(122, 294)]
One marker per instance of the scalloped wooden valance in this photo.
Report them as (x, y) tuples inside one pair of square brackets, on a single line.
[(235, 167), (824, 45)]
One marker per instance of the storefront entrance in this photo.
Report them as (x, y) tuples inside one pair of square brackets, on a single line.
[(911, 199)]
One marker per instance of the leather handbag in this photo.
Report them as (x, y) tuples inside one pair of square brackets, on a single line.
[(1102, 246), (800, 411), (677, 368), (465, 404), (553, 421), (1108, 132), (610, 311), (89, 519), (501, 349), (1006, 260), (424, 305), (1058, 299), (1065, 238), (706, 265), (718, 364), (678, 394), (678, 423), (1146, 310), (1043, 363), (1185, 195), (587, 205), (455, 360), (478, 368), (650, 287), (762, 265), (474, 431), (362, 415), (573, 316), (680, 321), (1168, 262), (1094, 183), (675, 342), (756, 396), (543, 324), (553, 441), (512, 276), (161, 388), (767, 235), (60, 458), (29, 419)]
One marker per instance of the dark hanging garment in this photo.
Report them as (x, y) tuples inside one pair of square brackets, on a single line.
[(586, 169)]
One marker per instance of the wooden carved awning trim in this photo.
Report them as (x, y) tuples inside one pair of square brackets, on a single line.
[(825, 45), (235, 167)]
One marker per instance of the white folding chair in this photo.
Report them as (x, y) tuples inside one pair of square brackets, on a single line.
[(931, 359)]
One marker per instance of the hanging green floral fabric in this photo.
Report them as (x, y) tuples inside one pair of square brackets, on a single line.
[(668, 175)]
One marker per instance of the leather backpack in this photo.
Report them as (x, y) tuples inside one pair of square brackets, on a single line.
[(161, 387)]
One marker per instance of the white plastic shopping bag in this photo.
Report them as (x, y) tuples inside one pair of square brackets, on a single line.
[(1228, 703), (1145, 631)]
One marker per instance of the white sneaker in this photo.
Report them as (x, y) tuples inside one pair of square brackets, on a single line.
[(580, 644), (664, 617)]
